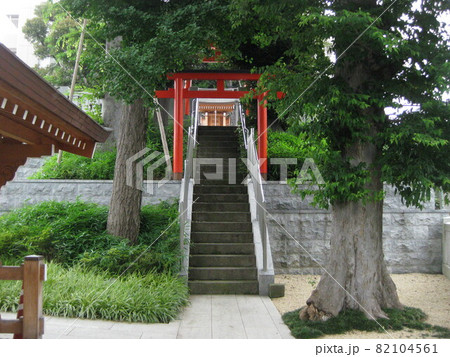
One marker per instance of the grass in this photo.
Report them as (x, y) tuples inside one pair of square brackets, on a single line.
[(74, 167), (350, 320), (73, 232), (85, 261), (77, 292)]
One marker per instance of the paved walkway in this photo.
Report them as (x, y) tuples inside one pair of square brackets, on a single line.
[(208, 316)]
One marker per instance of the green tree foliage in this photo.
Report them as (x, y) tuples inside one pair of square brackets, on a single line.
[(347, 62), (157, 37), (55, 35), (160, 37), (400, 51), (401, 55)]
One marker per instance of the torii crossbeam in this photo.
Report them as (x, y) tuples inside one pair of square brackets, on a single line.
[(181, 93)]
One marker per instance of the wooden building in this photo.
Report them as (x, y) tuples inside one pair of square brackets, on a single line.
[(37, 120)]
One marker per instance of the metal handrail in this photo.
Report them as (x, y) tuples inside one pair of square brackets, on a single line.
[(243, 125), (256, 178), (184, 209), (196, 116)]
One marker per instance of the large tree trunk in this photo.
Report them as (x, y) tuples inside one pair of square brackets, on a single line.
[(125, 207), (356, 276), (111, 115)]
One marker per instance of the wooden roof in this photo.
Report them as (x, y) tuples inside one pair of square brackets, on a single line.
[(36, 120)]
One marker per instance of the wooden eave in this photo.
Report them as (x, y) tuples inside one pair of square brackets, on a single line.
[(35, 113), (37, 120)]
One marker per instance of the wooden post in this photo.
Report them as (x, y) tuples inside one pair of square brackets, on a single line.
[(163, 138), (75, 74), (32, 304)]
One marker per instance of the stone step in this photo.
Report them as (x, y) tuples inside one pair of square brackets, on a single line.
[(223, 273), (222, 259), (220, 135), (219, 161), (209, 287), (226, 177), (220, 207), (232, 178), (221, 216), (217, 141), (221, 226), (32, 165), (206, 128), (219, 154), (226, 260), (203, 181), (220, 189), (224, 149), (222, 197), (217, 145), (222, 248), (221, 237)]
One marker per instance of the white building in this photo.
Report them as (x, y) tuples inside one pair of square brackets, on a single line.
[(13, 15)]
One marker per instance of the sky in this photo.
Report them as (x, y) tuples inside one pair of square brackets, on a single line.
[(12, 36)]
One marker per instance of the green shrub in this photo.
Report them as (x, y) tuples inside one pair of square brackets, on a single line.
[(75, 167), (349, 320), (77, 292), (140, 258), (101, 166), (156, 218), (59, 231), (285, 145), (84, 284), (70, 232)]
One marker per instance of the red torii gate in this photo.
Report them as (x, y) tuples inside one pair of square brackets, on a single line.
[(181, 92)]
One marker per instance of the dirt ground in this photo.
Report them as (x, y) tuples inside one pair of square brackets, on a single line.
[(429, 292)]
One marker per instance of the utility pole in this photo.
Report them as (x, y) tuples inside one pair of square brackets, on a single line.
[(75, 73)]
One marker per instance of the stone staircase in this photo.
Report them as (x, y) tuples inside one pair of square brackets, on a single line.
[(222, 258), (32, 165)]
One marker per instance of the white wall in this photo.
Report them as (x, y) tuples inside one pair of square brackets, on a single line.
[(12, 36)]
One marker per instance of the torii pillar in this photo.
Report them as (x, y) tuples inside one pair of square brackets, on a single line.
[(262, 135), (178, 130)]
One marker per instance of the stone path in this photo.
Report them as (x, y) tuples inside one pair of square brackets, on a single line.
[(208, 316)]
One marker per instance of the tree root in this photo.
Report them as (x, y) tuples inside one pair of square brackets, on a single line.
[(311, 313)]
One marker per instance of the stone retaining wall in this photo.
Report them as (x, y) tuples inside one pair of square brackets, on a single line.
[(446, 247), (19, 192), (412, 238)]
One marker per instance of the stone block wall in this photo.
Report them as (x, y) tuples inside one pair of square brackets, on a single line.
[(19, 192), (446, 247), (300, 234)]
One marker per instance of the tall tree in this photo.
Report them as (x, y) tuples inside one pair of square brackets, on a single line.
[(386, 54), (389, 53), (55, 36), (158, 37), (125, 207)]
